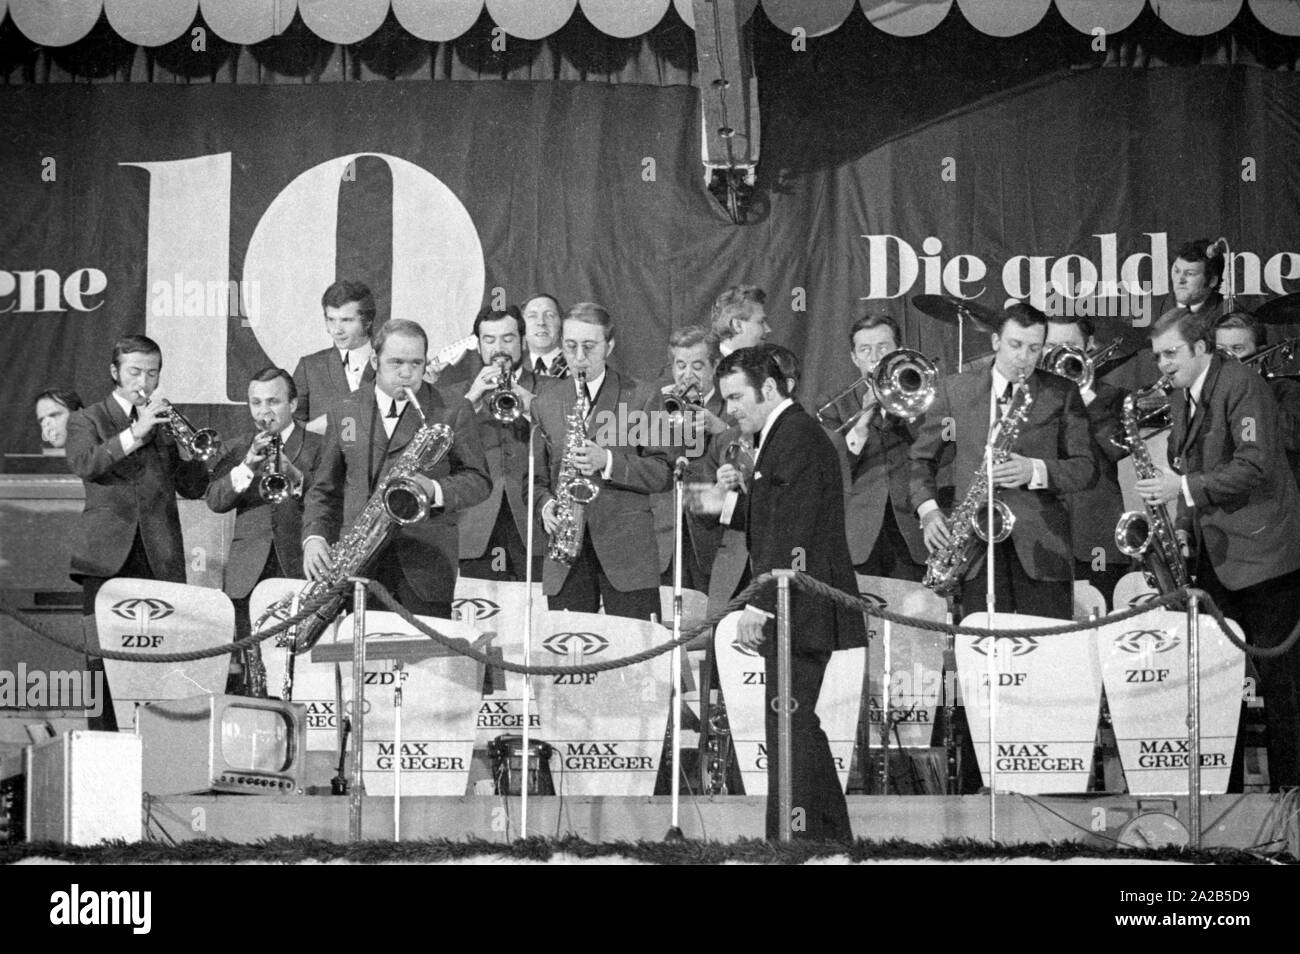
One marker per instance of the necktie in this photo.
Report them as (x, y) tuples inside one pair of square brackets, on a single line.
[(539, 367), (1191, 406), (393, 411), (135, 414)]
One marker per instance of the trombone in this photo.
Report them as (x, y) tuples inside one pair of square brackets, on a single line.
[(201, 445), (1077, 364), (903, 383), (503, 404), (1267, 360)]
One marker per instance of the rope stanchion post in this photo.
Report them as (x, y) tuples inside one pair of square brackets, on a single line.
[(785, 757), (1194, 718), (357, 788)]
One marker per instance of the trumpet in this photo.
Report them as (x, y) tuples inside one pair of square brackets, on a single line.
[(1077, 364), (201, 444), (503, 404), (678, 400), (903, 384), (274, 485)]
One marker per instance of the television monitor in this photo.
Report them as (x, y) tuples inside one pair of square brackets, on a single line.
[(221, 743)]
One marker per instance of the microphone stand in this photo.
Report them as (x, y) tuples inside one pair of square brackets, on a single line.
[(679, 473), (991, 605), (528, 636)]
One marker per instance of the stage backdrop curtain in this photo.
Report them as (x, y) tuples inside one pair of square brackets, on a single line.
[(444, 195)]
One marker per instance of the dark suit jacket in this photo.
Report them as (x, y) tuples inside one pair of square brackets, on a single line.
[(506, 449), (126, 493), (258, 524), (732, 555), (1247, 513), (1056, 432), (877, 476), (358, 454), (794, 519), (1287, 393), (1095, 512), (320, 381), (701, 536), (619, 519)]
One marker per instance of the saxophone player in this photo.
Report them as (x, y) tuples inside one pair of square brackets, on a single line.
[(1237, 499), (365, 435), (1053, 456), (614, 559)]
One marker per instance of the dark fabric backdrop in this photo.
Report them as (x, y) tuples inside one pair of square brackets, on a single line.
[(554, 177)]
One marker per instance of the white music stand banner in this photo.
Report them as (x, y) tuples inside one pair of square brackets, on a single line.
[(916, 671), (1144, 665), (440, 697), (152, 618), (742, 673), (607, 728), (1048, 699), (500, 607), (1088, 601)]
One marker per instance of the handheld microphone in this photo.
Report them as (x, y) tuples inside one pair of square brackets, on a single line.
[(679, 468)]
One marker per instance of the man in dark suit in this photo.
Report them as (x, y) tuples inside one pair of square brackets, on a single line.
[(693, 357), (1053, 456), (793, 517), (1237, 500), (1094, 513), (546, 358), (337, 371), (884, 539), (627, 451), (1195, 280), (1240, 335), (494, 533), (267, 541), (132, 470), (367, 433)]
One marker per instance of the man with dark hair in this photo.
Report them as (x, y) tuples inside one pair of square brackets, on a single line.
[(541, 314), (1238, 334), (793, 510), (1195, 278), (53, 408), (1094, 513), (693, 357), (494, 533), (132, 470), (366, 434), (267, 541), (884, 539), (616, 563), (739, 318), (1052, 456), (337, 371), (1238, 501)]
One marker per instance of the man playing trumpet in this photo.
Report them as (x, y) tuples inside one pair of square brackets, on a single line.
[(262, 477)]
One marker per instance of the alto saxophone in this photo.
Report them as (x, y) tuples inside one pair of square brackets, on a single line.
[(947, 564), (1149, 533), (399, 500), (574, 492)]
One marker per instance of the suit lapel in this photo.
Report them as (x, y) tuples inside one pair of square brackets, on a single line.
[(607, 400), (1194, 426), (408, 423), (293, 446), (334, 366), (377, 445), (771, 434)]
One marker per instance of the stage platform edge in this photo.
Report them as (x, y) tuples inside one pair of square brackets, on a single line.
[(1243, 822)]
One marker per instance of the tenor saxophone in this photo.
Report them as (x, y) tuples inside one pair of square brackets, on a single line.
[(574, 492), (947, 564), (1149, 533), (399, 500)]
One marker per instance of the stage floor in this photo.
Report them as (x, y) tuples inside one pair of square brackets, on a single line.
[(1244, 822)]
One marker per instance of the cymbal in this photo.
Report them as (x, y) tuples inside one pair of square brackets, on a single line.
[(1279, 311), (953, 310)]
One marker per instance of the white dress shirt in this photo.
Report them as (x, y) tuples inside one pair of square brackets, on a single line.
[(129, 442), (241, 477), (354, 363)]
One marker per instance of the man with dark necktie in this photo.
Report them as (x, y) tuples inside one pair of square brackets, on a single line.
[(542, 335), (1238, 508)]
